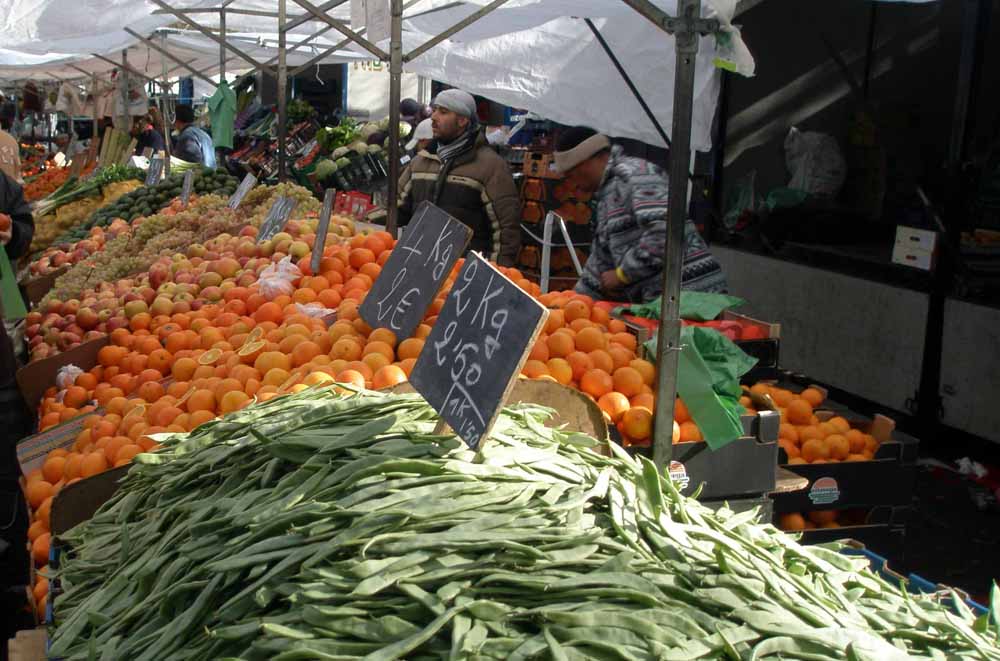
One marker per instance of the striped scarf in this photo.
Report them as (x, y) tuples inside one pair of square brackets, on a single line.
[(459, 145)]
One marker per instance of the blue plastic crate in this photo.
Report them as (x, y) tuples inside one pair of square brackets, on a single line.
[(914, 583)]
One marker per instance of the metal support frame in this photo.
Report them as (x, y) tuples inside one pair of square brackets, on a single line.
[(123, 63), (395, 91), (457, 27), (282, 91), (222, 48), (211, 35), (687, 29), (339, 27), (163, 110), (167, 54), (125, 89)]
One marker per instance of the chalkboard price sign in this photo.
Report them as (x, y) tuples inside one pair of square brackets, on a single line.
[(248, 182), (155, 171), (322, 229), (476, 349), (276, 218), (186, 188), (415, 270)]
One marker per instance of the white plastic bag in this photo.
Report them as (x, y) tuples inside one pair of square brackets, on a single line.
[(280, 278), (65, 377), (318, 311), (815, 161)]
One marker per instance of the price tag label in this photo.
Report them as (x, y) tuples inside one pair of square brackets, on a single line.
[(415, 271), (322, 229), (277, 217), (476, 349), (155, 172), (186, 187), (248, 182)]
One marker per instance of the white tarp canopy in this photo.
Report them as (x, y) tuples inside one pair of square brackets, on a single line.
[(532, 54)]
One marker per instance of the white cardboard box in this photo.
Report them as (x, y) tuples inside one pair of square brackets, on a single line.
[(916, 239), (918, 259)]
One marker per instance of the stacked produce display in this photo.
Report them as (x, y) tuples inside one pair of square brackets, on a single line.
[(234, 382), (351, 530)]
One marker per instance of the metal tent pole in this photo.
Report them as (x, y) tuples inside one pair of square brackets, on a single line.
[(163, 108), (395, 78), (282, 91), (686, 30), (125, 85), (222, 48)]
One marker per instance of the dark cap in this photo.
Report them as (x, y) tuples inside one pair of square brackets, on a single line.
[(184, 113), (409, 108)]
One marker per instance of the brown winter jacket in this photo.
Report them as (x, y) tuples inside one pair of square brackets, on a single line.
[(477, 189)]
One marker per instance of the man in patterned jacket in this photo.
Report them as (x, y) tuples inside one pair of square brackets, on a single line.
[(630, 223)]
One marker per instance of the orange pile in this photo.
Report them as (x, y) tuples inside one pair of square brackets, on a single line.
[(808, 439)]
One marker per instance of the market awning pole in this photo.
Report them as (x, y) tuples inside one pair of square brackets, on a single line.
[(686, 29), (163, 109), (395, 78), (222, 48), (125, 84), (282, 91)]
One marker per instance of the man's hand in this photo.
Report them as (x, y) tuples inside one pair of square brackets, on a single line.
[(610, 281)]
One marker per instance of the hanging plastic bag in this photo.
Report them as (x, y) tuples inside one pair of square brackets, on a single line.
[(280, 278), (815, 161)]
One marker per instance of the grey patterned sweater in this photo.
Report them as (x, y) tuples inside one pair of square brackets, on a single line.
[(630, 232)]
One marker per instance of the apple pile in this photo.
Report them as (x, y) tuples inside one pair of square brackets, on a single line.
[(62, 255)]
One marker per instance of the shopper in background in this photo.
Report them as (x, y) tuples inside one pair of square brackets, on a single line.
[(192, 144), (630, 226), (460, 173), (146, 136), (411, 112), (16, 230), (10, 154), (423, 135)]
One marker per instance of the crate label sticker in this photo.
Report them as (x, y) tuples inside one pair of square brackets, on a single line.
[(824, 491), (679, 475)]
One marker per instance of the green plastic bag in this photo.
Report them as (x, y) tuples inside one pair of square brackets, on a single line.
[(10, 295), (708, 380), (695, 306)]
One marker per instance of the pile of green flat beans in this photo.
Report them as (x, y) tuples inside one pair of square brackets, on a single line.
[(318, 526)]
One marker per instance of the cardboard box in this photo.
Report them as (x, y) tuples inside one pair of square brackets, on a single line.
[(77, 502), (35, 289), (28, 645), (31, 451), (35, 378), (916, 239), (918, 259), (744, 468), (540, 165), (887, 480)]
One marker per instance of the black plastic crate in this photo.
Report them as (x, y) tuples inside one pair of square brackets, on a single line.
[(743, 468)]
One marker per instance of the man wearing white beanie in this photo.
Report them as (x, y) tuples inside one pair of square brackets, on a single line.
[(459, 172)]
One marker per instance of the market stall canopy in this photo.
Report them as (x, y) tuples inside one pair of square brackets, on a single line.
[(539, 55), (194, 49)]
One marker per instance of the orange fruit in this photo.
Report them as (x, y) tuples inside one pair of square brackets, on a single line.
[(150, 391), (305, 352), (597, 382), (856, 439), (383, 335), (555, 321), (591, 339), (201, 400), (539, 350), (815, 449), (580, 362), (352, 377), (628, 381), (409, 348), (614, 404), (346, 348), (378, 346), (560, 345), (94, 463), (681, 413), (535, 369), (388, 376), (799, 412), (638, 423), (576, 309), (690, 432), (646, 369), (792, 522), (112, 447), (75, 397), (37, 491), (40, 549), (822, 517), (827, 429), (53, 468), (790, 448), (71, 468), (560, 370), (813, 396), (646, 400), (840, 423), (620, 357), (183, 369), (233, 401), (839, 446), (270, 360)]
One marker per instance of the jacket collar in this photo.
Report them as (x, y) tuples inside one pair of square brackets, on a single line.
[(462, 158)]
